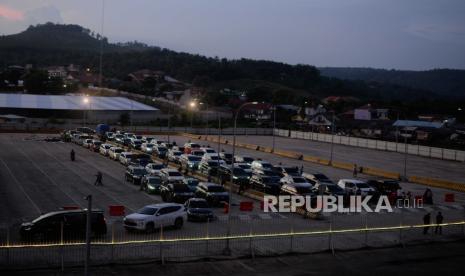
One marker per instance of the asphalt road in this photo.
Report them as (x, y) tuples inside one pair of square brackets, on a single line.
[(390, 161), (38, 177)]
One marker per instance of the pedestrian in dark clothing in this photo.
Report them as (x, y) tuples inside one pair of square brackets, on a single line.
[(428, 196), (98, 180), (73, 155), (439, 220), (355, 171), (301, 169), (426, 221)]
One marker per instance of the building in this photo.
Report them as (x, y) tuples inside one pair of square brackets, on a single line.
[(56, 72), (92, 109), (368, 112), (259, 112)]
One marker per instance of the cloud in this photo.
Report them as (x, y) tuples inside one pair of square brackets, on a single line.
[(10, 14)]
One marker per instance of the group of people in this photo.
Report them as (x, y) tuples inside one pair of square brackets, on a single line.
[(427, 221)]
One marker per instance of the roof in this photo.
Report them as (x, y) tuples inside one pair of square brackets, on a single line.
[(70, 102), (408, 123)]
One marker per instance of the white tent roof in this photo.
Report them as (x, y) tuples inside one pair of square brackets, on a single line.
[(70, 102)]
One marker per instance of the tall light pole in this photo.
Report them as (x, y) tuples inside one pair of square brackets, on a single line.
[(228, 249), (207, 132), (332, 138), (169, 122), (88, 230), (274, 124), (405, 156), (86, 102), (192, 105)]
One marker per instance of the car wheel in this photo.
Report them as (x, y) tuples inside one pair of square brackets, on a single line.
[(149, 228), (178, 223)]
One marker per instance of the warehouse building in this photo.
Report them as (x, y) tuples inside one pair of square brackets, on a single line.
[(88, 108)]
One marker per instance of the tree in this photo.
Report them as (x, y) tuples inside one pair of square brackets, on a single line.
[(36, 81)]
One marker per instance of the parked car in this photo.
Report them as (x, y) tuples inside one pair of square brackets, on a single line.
[(208, 167), (259, 165), (356, 187), (104, 149), (87, 143), (385, 186), (244, 159), (140, 159), (226, 157), (174, 155), (125, 157), (48, 226), (246, 167), (175, 192), (327, 188), (207, 150), (160, 151), (197, 153), (287, 170), (265, 184), (213, 193), (151, 184), (315, 178), (239, 177), (147, 148), (191, 182), (156, 216), (109, 136), (171, 176), (135, 144), (275, 176), (95, 145), (198, 210), (188, 147), (289, 179), (154, 168), (114, 152), (303, 189), (178, 148), (212, 157), (134, 174), (190, 161), (119, 138)]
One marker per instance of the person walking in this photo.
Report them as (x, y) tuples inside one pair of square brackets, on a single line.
[(426, 221), (73, 155), (354, 172), (301, 169), (439, 220), (98, 179), (428, 196)]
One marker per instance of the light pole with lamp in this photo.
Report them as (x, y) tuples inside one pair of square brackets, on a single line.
[(207, 132), (274, 125), (86, 101), (332, 138), (192, 105), (227, 250)]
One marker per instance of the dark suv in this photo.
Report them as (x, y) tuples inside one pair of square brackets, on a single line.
[(178, 192), (48, 226), (134, 174), (240, 176), (266, 184)]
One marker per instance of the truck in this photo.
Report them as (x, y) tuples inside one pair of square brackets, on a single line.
[(102, 129)]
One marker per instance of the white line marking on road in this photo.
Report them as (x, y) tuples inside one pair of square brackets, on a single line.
[(48, 177), (21, 187)]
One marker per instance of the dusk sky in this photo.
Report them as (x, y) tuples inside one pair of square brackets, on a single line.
[(392, 34)]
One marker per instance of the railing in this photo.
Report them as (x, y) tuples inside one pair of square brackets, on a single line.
[(425, 151), (250, 244)]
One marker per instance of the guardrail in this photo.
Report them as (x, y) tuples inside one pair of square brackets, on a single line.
[(424, 151), (65, 255)]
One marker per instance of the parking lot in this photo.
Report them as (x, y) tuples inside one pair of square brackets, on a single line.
[(39, 177)]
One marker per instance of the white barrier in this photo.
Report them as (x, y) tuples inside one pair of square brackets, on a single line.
[(425, 151)]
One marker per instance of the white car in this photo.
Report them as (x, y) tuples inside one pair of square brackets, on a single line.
[(104, 148), (125, 157), (243, 159), (147, 148), (156, 216), (154, 168), (212, 157), (114, 152), (354, 186), (259, 165), (207, 150), (87, 143), (171, 176), (294, 180), (174, 155)]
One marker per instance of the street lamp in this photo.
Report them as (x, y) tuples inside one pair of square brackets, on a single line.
[(86, 101), (192, 105), (332, 138), (227, 249), (274, 125), (206, 126)]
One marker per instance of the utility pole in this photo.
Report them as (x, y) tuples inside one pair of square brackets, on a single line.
[(88, 229), (332, 140), (274, 125)]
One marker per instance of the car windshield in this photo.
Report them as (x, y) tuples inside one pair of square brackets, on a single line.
[(119, 136), (192, 182), (214, 157), (303, 190), (137, 142), (139, 171), (227, 155), (118, 150), (181, 188), (194, 158), (154, 180), (270, 173), (239, 172), (198, 204), (216, 189), (244, 166), (334, 188), (321, 176), (212, 163), (362, 185), (147, 211), (291, 170), (157, 166), (248, 159), (210, 151), (267, 166), (149, 145), (97, 143), (195, 145), (198, 153), (299, 180), (161, 149), (174, 174), (177, 153)]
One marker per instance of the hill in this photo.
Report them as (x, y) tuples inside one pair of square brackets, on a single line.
[(56, 44), (446, 82)]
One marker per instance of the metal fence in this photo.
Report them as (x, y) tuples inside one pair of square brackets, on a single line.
[(251, 243), (425, 151)]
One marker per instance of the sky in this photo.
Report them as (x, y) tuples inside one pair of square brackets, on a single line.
[(390, 34)]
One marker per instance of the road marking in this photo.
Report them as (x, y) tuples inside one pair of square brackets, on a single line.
[(49, 178), (21, 187), (88, 182)]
